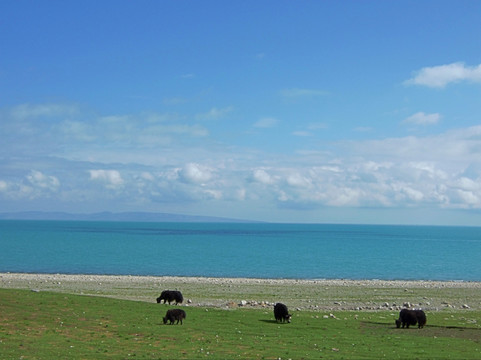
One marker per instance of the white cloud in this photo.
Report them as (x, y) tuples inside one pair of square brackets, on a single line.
[(442, 75), (106, 139), (214, 113), (37, 179), (25, 111), (3, 186), (34, 185), (213, 194), (145, 175), (454, 148), (345, 197), (297, 180), (468, 184), (261, 176), (411, 193), (469, 199), (421, 118), (111, 178), (266, 122), (195, 173)]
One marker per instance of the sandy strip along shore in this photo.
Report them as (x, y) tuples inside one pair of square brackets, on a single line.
[(314, 295)]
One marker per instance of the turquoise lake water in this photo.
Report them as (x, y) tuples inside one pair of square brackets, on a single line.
[(301, 251)]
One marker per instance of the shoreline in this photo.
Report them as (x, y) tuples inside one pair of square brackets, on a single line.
[(211, 279), (320, 294)]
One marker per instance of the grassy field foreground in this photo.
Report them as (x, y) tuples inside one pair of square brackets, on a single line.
[(48, 325), (45, 316)]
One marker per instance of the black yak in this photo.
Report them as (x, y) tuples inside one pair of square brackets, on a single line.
[(178, 298), (169, 296), (165, 296), (421, 316), (173, 315), (281, 313), (411, 317)]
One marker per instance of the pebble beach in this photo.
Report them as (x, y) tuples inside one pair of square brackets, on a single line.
[(230, 293)]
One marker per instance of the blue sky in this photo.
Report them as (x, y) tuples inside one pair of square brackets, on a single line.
[(284, 111)]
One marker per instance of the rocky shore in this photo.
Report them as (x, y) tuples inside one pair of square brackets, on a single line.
[(314, 295)]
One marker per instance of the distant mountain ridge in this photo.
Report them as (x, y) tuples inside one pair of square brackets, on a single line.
[(121, 216)]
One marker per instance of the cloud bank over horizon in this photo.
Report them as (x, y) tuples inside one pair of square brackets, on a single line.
[(148, 160)]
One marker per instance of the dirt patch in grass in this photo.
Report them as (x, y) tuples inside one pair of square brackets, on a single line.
[(432, 331), (455, 332)]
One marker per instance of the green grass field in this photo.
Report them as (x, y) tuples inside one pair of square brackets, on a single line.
[(45, 325)]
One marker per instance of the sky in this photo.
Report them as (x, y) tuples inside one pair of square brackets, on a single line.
[(362, 112)]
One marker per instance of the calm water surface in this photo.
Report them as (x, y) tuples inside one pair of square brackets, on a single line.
[(242, 250)]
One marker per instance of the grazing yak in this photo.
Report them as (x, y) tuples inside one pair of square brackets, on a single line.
[(165, 296), (169, 296), (411, 317), (173, 315), (178, 298), (421, 316), (281, 313)]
